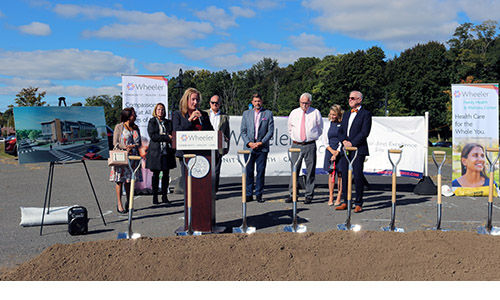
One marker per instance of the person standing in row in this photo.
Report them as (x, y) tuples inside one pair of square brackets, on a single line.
[(257, 128), (126, 136), (220, 122), (160, 156), (305, 126), (189, 118), (333, 154), (355, 128)]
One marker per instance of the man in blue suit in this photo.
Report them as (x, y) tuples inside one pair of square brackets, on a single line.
[(257, 128), (355, 128)]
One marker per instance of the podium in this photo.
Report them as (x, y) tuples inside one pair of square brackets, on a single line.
[(203, 144)]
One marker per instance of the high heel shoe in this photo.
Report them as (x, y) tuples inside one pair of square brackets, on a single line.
[(121, 212), (155, 200), (164, 199)]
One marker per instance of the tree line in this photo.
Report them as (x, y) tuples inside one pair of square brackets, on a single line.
[(417, 80)]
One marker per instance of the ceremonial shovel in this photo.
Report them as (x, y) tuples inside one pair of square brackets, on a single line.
[(439, 195), (294, 227), (348, 225), (244, 228), (130, 234), (391, 226), (489, 228), (189, 195)]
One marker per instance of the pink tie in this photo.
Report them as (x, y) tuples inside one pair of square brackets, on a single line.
[(303, 128)]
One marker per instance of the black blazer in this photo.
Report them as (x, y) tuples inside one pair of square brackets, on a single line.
[(153, 157), (360, 129), (181, 123)]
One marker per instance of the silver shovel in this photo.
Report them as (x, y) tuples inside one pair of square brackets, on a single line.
[(347, 225), (439, 186), (489, 228), (244, 227), (189, 167), (130, 234), (391, 226), (294, 227)]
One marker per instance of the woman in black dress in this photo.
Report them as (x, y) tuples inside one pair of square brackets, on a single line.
[(160, 156), (333, 154)]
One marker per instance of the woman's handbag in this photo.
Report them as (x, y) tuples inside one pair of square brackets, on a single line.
[(118, 158)]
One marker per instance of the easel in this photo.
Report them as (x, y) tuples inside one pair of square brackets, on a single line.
[(48, 190)]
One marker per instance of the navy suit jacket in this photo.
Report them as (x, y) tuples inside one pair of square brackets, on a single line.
[(266, 129), (360, 129)]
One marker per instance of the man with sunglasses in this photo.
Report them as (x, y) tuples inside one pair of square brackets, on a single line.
[(220, 122), (354, 130)]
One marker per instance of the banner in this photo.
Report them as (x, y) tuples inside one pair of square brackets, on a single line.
[(143, 92), (475, 128), (410, 134)]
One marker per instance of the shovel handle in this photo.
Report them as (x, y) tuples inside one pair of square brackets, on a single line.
[(351, 148), (244, 188), (294, 150), (349, 185), (395, 151), (134, 157)]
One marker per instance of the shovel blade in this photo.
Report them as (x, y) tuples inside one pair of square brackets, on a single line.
[(184, 233), (440, 229), (125, 235), (355, 227), (298, 228), (396, 229), (248, 230), (483, 230)]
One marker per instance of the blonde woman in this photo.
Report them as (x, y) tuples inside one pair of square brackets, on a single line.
[(333, 154)]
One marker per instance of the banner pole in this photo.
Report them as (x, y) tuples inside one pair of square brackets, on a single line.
[(426, 147)]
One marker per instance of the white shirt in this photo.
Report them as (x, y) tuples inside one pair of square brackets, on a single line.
[(314, 124), (215, 119), (351, 119)]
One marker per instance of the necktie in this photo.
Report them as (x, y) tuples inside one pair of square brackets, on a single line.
[(354, 110), (303, 127)]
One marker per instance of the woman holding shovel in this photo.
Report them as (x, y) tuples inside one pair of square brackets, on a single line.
[(332, 155)]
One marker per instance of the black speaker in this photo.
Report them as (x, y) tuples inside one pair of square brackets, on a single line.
[(77, 220)]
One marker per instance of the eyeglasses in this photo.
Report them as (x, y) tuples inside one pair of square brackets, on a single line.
[(353, 98), (305, 103), (216, 103)]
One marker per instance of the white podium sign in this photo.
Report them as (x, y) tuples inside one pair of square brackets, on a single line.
[(196, 140)]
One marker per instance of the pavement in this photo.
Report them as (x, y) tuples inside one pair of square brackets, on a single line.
[(25, 186)]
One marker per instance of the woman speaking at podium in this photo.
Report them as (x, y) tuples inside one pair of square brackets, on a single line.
[(189, 117)]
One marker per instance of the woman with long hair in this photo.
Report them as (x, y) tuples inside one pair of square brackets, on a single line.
[(160, 156), (472, 161)]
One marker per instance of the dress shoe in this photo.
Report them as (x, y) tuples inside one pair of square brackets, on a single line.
[(288, 200), (358, 209), (164, 199), (308, 200), (259, 199), (342, 206), (249, 198), (155, 200)]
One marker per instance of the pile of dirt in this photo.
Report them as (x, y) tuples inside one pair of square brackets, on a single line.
[(332, 255)]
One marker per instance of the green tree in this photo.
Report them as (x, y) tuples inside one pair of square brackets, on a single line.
[(30, 97), (112, 107)]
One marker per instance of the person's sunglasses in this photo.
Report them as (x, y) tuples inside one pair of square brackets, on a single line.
[(353, 98), (216, 103)]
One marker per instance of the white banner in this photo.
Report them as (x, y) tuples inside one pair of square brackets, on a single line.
[(143, 92), (475, 128), (387, 133)]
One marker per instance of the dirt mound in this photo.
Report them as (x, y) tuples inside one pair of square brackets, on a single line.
[(332, 255)]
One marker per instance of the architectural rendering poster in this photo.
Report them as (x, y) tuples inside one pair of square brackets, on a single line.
[(143, 92), (475, 129), (49, 134)]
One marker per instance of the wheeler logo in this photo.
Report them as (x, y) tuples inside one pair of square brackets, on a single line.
[(184, 137), (457, 94), (130, 86)]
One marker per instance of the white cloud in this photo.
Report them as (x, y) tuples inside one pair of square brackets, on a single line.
[(169, 69), (167, 31), (481, 10), (36, 28), (65, 64), (398, 24), (221, 19), (304, 45), (264, 4), (202, 53)]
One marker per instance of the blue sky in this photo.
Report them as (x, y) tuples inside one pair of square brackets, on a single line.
[(79, 49)]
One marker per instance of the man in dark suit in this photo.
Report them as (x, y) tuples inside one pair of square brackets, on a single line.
[(355, 128), (257, 128), (220, 122)]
